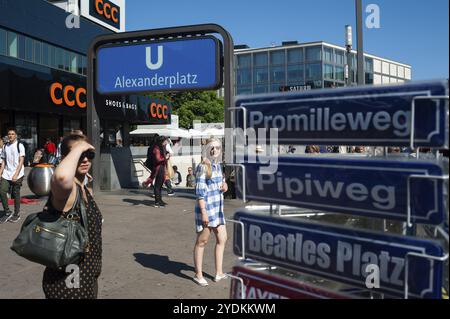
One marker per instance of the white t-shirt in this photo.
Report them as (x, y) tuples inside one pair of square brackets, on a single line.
[(12, 160)]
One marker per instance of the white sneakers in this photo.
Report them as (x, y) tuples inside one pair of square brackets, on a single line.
[(202, 281), (220, 277)]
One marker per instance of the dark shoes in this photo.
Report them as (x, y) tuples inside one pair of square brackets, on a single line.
[(12, 218), (170, 193)]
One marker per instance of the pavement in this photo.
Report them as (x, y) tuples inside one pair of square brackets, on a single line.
[(147, 251)]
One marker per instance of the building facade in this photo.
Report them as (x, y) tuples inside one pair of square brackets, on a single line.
[(294, 66)]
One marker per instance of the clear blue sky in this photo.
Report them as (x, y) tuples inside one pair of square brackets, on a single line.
[(412, 32)]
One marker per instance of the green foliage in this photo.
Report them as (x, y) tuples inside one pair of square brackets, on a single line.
[(203, 106)]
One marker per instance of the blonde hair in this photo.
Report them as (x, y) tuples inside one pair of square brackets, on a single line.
[(206, 163)]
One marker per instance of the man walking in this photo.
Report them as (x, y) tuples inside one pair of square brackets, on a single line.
[(12, 172)]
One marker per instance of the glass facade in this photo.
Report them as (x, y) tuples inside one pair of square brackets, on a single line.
[(20, 46), (314, 66)]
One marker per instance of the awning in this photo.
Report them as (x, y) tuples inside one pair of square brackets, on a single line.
[(169, 132)]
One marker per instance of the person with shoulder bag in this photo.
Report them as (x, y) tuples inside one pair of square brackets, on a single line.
[(71, 223)]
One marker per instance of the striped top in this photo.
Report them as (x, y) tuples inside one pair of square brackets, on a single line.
[(209, 191)]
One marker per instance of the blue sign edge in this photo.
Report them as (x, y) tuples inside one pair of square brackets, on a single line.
[(432, 167), (433, 246)]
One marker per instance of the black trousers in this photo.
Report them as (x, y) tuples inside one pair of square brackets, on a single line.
[(159, 181)]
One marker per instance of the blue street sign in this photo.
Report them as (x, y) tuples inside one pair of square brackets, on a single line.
[(171, 65), (368, 115), (359, 186), (342, 254)]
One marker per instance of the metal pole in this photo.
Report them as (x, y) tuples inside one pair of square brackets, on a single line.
[(359, 34), (93, 125)]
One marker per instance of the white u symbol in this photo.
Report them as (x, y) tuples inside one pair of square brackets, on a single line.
[(148, 60)]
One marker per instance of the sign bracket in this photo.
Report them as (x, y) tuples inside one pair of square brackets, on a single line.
[(413, 110), (243, 287), (242, 235), (436, 258), (408, 192), (244, 195)]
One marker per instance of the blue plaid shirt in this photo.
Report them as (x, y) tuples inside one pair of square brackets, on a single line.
[(209, 191)]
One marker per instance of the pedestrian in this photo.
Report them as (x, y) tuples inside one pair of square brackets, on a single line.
[(176, 178), (58, 150), (66, 185), (312, 149), (12, 172), (149, 161), (190, 178), (50, 151), (159, 158), (209, 214)]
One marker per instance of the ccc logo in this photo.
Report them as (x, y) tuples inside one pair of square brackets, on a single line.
[(107, 10), (69, 95), (159, 111)]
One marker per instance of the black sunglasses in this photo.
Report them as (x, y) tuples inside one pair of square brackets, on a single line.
[(89, 154)]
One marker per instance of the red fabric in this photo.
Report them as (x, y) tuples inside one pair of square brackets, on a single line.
[(24, 201), (50, 148), (158, 161)]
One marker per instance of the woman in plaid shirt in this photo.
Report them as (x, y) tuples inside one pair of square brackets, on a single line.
[(209, 216)]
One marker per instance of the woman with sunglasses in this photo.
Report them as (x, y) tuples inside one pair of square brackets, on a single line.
[(209, 214), (68, 182)]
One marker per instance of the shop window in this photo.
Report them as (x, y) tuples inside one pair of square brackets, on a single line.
[(340, 76), (313, 71), (26, 126), (12, 44), (260, 89)]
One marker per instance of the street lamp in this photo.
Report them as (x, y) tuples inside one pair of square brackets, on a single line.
[(359, 35), (348, 46)]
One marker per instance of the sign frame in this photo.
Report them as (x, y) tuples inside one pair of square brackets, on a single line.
[(417, 171), (406, 245), (218, 65)]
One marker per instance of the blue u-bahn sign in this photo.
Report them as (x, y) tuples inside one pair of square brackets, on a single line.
[(369, 115), (343, 254), (170, 65), (359, 186)]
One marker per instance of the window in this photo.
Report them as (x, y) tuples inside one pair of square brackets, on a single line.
[(313, 54), (45, 54), (328, 71), (21, 46), (59, 58), (314, 84), (84, 64), (277, 74), (12, 44), (295, 73), (29, 49), (243, 90), (340, 73), (340, 57), (37, 52), (53, 59), (260, 89), (243, 77), (261, 75), (368, 65), (275, 88), (73, 62), (260, 59), (369, 78), (244, 61), (277, 57), (328, 55), (3, 42), (79, 66), (67, 60), (295, 55), (313, 71)]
